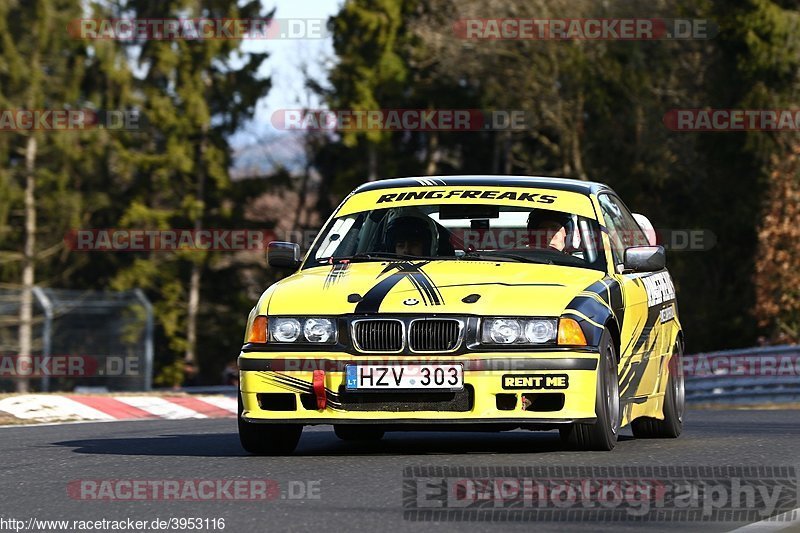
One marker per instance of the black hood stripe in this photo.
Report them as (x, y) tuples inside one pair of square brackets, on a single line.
[(372, 300)]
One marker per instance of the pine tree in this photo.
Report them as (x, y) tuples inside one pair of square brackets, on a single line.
[(194, 95), (41, 70)]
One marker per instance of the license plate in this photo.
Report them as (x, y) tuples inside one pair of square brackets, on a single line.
[(404, 377)]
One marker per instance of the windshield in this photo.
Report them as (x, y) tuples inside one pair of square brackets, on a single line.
[(454, 232)]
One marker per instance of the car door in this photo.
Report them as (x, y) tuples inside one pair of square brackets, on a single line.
[(643, 339)]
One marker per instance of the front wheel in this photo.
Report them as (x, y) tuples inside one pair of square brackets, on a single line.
[(602, 435), (267, 439), (674, 405)]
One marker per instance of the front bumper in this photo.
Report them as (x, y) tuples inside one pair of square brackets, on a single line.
[(278, 387)]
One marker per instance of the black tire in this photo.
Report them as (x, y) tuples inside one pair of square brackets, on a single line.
[(674, 405), (352, 432), (268, 439), (602, 435)]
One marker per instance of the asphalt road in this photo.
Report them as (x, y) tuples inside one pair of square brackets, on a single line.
[(352, 486)]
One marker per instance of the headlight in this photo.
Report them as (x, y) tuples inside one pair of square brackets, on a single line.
[(519, 330), (539, 331), (318, 330), (301, 329), (286, 329), (504, 330)]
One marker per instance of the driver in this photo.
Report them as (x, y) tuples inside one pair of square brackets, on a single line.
[(408, 235), (548, 229)]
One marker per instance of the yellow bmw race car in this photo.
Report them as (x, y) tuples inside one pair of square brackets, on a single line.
[(490, 302)]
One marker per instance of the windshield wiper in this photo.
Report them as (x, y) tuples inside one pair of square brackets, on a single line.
[(370, 256), (491, 255)]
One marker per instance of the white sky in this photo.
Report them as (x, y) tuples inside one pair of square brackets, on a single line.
[(285, 62)]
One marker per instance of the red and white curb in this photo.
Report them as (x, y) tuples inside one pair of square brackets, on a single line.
[(70, 407)]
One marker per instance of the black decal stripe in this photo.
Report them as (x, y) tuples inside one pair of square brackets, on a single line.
[(653, 315), (600, 289), (590, 307), (420, 289), (647, 338), (617, 301), (430, 289), (578, 316), (500, 283), (433, 287), (372, 300), (290, 382), (338, 271), (303, 387), (629, 360), (630, 384), (599, 299), (633, 337), (610, 290)]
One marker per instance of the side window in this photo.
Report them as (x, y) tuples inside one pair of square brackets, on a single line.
[(623, 230)]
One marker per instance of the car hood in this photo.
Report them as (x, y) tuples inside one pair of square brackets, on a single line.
[(427, 287)]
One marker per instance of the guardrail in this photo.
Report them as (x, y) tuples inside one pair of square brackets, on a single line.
[(749, 376), (225, 390)]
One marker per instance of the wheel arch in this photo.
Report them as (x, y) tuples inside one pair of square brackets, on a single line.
[(680, 339), (613, 328)]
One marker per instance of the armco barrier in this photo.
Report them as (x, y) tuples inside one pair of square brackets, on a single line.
[(750, 376), (224, 390)]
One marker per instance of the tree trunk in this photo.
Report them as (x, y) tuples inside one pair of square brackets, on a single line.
[(433, 154), (577, 131), (197, 265), (191, 317), (372, 161), (28, 262)]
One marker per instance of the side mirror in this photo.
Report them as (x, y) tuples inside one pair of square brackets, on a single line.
[(283, 255), (645, 259), (647, 227)]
